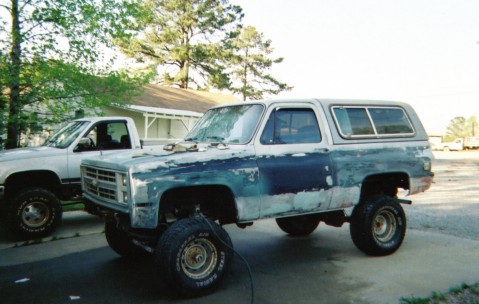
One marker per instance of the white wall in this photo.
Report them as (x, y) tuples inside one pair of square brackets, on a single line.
[(165, 130)]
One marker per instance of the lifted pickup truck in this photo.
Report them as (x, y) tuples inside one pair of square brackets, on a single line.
[(301, 162), (33, 181)]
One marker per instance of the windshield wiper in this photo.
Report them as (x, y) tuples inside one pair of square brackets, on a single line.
[(193, 139), (50, 143), (218, 138)]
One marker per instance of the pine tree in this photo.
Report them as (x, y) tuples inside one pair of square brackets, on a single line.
[(185, 41), (250, 63)]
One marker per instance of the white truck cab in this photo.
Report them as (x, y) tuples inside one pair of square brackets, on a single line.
[(34, 181)]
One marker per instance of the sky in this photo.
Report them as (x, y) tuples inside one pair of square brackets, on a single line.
[(423, 52)]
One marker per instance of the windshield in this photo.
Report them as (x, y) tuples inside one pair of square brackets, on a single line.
[(228, 125), (66, 135)]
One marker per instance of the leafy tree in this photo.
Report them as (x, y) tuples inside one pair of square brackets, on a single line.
[(460, 127), (51, 56), (472, 126), (250, 61), (186, 40)]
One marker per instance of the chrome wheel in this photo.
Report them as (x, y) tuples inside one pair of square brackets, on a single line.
[(199, 258), (384, 226), (35, 214)]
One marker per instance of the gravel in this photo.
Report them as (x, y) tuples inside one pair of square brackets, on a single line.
[(451, 205)]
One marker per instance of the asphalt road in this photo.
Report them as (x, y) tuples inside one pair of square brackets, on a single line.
[(76, 265)]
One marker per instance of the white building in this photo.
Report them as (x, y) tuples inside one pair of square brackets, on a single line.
[(164, 114)]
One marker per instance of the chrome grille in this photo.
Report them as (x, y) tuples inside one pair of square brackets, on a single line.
[(99, 191), (104, 184), (100, 174)]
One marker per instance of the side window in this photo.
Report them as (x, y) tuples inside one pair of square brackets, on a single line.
[(353, 121), (291, 126), (390, 121), (370, 122), (107, 136)]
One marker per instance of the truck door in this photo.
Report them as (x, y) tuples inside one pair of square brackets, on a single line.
[(102, 138), (294, 162)]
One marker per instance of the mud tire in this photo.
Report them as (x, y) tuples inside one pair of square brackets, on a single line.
[(193, 256), (378, 226), (33, 213), (119, 241), (300, 225)]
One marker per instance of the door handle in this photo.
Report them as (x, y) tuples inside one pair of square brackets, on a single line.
[(322, 150)]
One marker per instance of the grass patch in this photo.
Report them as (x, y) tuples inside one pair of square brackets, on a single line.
[(464, 293), (72, 206)]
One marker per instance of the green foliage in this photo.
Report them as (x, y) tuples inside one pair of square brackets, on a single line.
[(186, 40), (460, 127), (72, 206), (414, 300), (464, 293), (250, 62), (54, 60)]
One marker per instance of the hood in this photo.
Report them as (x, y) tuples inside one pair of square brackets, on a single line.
[(145, 161), (30, 153)]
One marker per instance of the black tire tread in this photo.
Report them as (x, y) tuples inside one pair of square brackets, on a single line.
[(361, 225), (14, 222), (166, 253), (300, 225), (120, 243)]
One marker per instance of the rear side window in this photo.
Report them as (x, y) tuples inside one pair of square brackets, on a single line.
[(367, 122)]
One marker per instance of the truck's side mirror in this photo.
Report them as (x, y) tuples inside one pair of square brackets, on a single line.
[(85, 144)]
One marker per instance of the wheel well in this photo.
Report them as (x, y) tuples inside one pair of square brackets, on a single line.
[(387, 184), (215, 202), (22, 180)]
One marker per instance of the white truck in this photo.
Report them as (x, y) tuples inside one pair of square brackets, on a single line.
[(455, 145), (471, 142), (458, 144), (34, 181)]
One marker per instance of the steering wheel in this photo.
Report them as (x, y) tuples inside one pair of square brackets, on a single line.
[(92, 143)]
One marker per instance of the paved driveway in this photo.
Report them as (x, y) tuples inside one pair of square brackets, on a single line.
[(323, 268)]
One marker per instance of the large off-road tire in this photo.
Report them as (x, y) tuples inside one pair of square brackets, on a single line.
[(378, 226), (34, 213), (300, 225), (121, 243), (193, 256)]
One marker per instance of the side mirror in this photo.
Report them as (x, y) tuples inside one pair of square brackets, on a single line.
[(85, 144)]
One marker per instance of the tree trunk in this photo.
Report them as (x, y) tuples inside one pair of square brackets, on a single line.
[(186, 75), (14, 85), (245, 75)]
